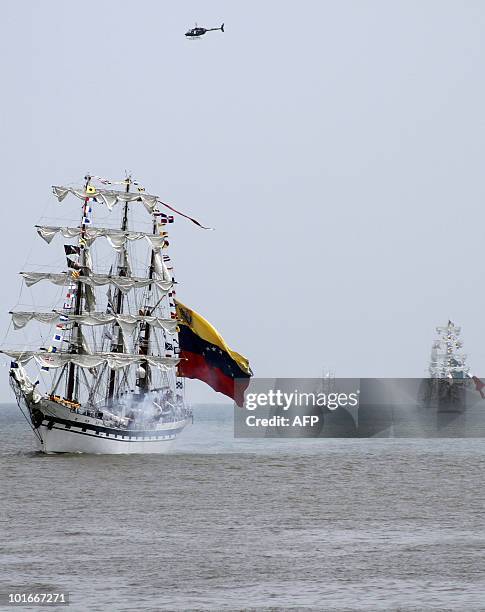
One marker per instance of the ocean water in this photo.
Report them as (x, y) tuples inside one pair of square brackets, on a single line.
[(224, 524)]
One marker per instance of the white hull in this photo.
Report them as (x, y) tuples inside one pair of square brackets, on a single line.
[(60, 430), (71, 441)]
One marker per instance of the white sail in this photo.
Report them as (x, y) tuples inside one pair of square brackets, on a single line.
[(20, 319), (126, 321), (26, 385), (123, 283), (108, 196), (113, 360), (116, 238), (160, 267)]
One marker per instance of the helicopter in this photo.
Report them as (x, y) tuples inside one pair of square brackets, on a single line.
[(197, 32)]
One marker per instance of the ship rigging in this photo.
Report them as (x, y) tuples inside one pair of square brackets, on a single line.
[(110, 368)]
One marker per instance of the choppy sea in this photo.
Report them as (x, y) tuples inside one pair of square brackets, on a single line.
[(224, 524)]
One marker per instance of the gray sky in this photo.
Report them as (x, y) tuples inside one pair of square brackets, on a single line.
[(337, 147)]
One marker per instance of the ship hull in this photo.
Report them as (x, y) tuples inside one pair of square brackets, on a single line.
[(59, 440), (60, 430)]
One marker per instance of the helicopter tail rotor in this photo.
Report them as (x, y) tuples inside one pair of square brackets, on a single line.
[(222, 28)]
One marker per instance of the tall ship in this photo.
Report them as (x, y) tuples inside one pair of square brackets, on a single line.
[(108, 376), (446, 359), (449, 373)]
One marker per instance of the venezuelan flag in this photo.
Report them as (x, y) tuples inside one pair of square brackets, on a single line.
[(204, 355)]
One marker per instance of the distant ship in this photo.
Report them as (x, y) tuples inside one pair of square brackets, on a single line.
[(449, 373), (114, 363)]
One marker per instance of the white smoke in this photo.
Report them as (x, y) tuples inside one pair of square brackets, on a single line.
[(146, 411)]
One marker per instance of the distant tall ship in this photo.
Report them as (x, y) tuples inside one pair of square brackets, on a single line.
[(449, 373), (120, 345), (446, 360)]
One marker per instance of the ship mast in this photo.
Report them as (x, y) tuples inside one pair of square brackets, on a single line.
[(144, 381), (76, 338), (122, 269)]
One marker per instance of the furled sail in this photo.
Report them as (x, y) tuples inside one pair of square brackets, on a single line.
[(26, 385), (127, 322), (108, 196), (117, 238), (114, 360), (123, 283), (160, 267), (20, 319)]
